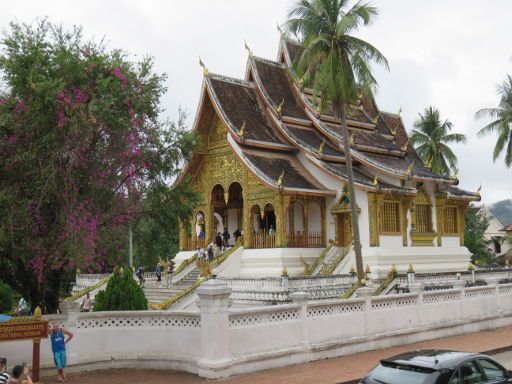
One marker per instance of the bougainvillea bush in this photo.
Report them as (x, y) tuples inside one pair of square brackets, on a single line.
[(83, 155)]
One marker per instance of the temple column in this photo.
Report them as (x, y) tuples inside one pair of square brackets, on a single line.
[(461, 213), (209, 222), (280, 222), (305, 215), (373, 222), (405, 207), (440, 206), (247, 220), (323, 223)]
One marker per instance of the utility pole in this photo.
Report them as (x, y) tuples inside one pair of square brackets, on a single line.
[(130, 246)]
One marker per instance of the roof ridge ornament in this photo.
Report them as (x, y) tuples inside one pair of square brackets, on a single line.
[(281, 32), (376, 181), (405, 146), (279, 181), (410, 168), (248, 49), (321, 147), (241, 131), (280, 107), (479, 189), (205, 70), (399, 111)]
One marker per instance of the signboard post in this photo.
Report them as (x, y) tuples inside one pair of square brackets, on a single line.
[(31, 328)]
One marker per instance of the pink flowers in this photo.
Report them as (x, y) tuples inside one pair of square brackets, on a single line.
[(2, 101)]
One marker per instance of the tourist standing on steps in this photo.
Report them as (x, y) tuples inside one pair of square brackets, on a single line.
[(57, 337), (4, 376), (210, 251), (158, 272), (218, 240), (225, 238)]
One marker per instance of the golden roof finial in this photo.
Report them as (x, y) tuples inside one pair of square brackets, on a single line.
[(376, 180), (321, 147), (410, 169), (351, 139), (376, 119), (248, 49), (404, 147), (241, 131), (279, 181), (205, 70), (393, 131), (280, 106), (478, 190)]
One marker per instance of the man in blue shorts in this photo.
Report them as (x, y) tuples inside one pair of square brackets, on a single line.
[(57, 336)]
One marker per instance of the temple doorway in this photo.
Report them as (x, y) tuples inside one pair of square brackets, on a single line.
[(344, 229), (235, 204)]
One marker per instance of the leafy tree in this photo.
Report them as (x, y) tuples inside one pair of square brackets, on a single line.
[(122, 293), (432, 138), (6, 298), (81, 149), (501, 121), (475, 227), (336, 64)]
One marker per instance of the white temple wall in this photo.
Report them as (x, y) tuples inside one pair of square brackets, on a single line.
[(298, 217), (364, 218), (391, 241), (451, 241), (430, 188), (314, 218), (329, 220)]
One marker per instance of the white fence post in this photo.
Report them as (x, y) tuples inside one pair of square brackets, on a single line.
[(302, 299), (214, 305)]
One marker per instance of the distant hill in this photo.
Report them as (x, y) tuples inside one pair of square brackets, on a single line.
[(503, 211)]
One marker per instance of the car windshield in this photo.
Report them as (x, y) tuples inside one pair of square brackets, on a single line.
[(401, 374)]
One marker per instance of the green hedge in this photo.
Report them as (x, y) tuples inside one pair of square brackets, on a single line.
[(122, 293)]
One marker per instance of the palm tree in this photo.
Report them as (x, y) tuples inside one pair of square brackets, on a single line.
[(502, 121), (433, 137), (336, 64)]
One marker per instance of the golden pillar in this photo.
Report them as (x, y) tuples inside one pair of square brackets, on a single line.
[(461, 213), (440, 218), (405, 207)]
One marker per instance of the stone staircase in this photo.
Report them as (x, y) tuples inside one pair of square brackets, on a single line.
[(156, 294)]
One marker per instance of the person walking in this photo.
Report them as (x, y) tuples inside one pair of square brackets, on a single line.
[(4, 376), (158, 272), (218, 240), (86, 304), (57, 337), (210, 251)]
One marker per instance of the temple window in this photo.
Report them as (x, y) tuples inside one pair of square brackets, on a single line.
[(450, 220), (423, 213), (391, 217)]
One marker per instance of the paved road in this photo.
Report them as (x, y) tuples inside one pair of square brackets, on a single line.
[(343, 369)]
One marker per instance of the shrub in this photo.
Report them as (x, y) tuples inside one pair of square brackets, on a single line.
[(6, 299), (122, 293)]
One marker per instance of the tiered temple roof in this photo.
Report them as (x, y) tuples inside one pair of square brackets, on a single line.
[(274, 125)]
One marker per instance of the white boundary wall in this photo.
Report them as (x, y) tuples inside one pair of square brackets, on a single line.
[(218, 341)]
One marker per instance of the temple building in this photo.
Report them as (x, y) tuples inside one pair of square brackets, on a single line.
[(271, 164)]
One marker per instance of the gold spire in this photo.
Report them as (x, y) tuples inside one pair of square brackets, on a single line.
[(205, 70), (280, 106), (410, 169), (241, 131), (376, 180), (279, 181), (248, 49), (321, 147)]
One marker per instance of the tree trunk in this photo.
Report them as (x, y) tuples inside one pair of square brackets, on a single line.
[(340, 114)]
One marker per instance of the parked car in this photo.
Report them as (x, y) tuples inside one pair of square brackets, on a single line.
[(431, 366)]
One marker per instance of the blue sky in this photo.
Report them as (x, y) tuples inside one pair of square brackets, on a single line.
[(446, 53)]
